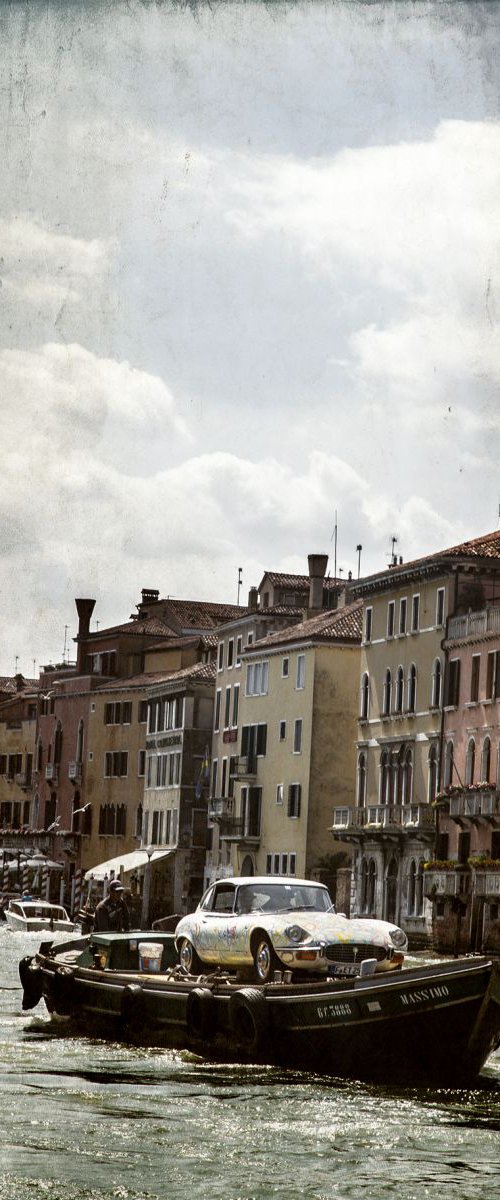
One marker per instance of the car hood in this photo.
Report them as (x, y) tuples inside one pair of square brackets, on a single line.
[(332, 927)]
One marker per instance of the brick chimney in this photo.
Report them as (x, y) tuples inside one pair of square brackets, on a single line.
[(84, 609), (317, 571)]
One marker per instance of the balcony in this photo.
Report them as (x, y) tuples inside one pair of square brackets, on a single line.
[(221, 808), (450, 882), (23, 780), (246, 766), (75, 772), (243, 833), (374, 817), (474, 624), (481, 803), (52, 772)]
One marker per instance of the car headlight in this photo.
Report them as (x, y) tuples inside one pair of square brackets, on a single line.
[(295, 933), (398, 937)]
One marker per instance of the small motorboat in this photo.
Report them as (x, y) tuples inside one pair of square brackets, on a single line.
[(32, 916)]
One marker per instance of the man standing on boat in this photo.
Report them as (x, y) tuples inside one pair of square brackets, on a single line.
[(112, 915)]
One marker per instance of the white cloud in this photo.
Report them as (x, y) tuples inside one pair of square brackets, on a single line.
[(42, 265)]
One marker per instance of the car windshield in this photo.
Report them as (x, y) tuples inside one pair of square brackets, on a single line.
[(282, 897)]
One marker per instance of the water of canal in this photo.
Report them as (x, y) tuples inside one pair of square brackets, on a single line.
[(83, 1119)]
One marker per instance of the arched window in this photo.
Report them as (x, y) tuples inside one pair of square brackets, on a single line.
[(407, 776), (437, 677), (39, 755), (364, 886), (400, 690), (361, 780), (364, 706), (486, 761), (419, 889), (36, 811), (384, 777), (433, 771), (412, 688), (386, 701), (368, 882), (470, 761), (58, 743), (448, 764), (372, 878), (411, 889)]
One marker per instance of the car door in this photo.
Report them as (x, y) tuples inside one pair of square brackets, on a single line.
[(215, 932)]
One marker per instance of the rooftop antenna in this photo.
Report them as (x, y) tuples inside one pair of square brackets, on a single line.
[(358, 550), (240, 573), (334, 540), (394, 557)]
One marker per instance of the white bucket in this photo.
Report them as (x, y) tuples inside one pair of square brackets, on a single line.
[(150, 956)]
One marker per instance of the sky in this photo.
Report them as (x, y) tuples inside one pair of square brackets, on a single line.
[(249, 263)]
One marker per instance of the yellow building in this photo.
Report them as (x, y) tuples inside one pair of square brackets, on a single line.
[(18, 713)]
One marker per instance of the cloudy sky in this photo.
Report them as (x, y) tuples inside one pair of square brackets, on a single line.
[(249, 257)]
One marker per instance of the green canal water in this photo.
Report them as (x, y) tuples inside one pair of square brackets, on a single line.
[(86, 1120)]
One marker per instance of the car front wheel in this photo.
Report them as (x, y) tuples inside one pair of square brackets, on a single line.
[(188, 958), (265, 961)]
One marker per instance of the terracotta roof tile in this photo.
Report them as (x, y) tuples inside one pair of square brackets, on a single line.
[(301, 582), (334, 625)]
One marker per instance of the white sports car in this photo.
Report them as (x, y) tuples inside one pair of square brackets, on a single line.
[(277, 923)]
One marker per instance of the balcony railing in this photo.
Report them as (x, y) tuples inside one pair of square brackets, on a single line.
[(75, 772), (246, 766), (487, 883), (474, 624), (52, 772), (23, 780), (475, 804), (236, 830), (384, 816), (446, 883), (221, 808)]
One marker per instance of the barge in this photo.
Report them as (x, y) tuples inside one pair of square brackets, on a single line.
[(426, 1023)]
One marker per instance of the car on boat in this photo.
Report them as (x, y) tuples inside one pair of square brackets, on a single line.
[(279, 923), (33, 916)]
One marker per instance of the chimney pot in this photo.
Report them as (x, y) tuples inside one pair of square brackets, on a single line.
[(317, 570)]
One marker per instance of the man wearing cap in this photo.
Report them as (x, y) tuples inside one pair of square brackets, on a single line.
[(111, 915)]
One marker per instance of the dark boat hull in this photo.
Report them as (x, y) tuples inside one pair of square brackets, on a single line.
[(431, 1023)]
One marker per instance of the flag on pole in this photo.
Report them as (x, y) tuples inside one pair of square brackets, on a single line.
[(204, 775)]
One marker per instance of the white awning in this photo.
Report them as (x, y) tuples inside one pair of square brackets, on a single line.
[(124, 864)]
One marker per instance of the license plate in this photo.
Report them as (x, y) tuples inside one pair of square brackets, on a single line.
[(349, 969)]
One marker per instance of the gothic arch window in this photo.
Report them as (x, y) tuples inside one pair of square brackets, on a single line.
[(247, 867), (79, 742), (400, 690), (387, 689), (437, 679), (486, 760), (419, 889), (361, 780), (364, 706), (368, 882), (58, 743), (384, 777), (408, 776), (470, 761), (412, 688), (433, 773), (39, 755)]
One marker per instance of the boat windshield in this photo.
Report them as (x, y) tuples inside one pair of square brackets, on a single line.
[(283, 897), (46, 912)]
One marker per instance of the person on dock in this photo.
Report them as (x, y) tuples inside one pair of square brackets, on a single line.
[(112, 915)]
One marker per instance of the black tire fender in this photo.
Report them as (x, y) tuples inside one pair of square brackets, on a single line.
[(30, 974), (63, 991), (249, 1018), (200, 1013), (133, 1007)]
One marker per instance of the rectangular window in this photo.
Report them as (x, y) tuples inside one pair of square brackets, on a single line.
[(143, 711), (294, 800), (126, 712), (285, 668), (453, 689), (368, 624), (239, 645), (141, 767), (297, 736), (282, 731), (276, 864), (284, 864), (415, 613), (292, 864), (217, 710), (223, 777), (215, 765), (403, 605), (227, 708), (236, 704), (474, 677), (257, 678), (230, 652), (391, 609), (269, 864), (440, 606), (493, 675), (301, 671), (249, 639), (115, 764), (220, 658), (279, 793)]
